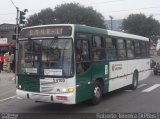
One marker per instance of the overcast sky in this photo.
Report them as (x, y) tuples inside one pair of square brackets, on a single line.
[(118, 9)]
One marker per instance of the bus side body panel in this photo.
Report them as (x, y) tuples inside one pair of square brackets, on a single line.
[(141, 65), (83, 88), (117, 74), (121, 72), (85, 81), (100, 70)]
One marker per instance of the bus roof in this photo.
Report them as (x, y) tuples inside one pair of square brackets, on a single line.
[(83, 28), (95, 30), (89, 29), (126, 35)]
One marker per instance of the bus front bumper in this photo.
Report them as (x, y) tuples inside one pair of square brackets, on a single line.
[(64, 98)]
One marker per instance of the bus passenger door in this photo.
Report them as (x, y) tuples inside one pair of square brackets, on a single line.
[(83, 70)]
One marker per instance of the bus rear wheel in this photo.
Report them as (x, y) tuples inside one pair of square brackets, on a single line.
[(134, 84), (97, 93), (155, 73)]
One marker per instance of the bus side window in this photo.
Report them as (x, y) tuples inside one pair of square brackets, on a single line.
[(143, 49), (130, 49), (121, 49), (85, 50), (78, 50), (82, 50), (147, 49), (110, 49), (98, 48), (82, 55), (137, 49)]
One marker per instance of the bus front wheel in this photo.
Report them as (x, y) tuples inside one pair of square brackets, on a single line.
[(97, 93), (134, 81)]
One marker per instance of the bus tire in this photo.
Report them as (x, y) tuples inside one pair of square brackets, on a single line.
[(97, 93), (134, 84), (155, 73)]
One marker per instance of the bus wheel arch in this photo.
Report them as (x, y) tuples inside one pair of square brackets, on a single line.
[(135, 79), (97, 91)]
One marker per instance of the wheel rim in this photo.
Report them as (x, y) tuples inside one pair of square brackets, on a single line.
[(135, 83), (97, 92)]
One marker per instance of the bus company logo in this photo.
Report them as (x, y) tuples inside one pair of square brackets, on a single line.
[(116, 67)]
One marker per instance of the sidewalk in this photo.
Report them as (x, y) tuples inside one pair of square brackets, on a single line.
[(4, 74)]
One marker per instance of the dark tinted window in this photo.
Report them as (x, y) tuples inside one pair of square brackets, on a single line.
[(82, 50), (111, 49), (98, 48), (130, 49), (137, 49), (147, 49), (143, 49), (82, 53), (121, 49)]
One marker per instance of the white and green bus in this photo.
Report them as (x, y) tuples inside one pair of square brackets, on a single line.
[(69, 63)]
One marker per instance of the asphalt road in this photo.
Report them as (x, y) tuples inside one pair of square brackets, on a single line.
[(156, 58), (145, 99), (7, 85)]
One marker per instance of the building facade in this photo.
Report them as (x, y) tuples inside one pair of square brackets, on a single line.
[(7, 31), (7, 47)]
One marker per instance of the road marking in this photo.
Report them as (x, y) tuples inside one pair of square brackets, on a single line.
[(141, 85), (8, 98), (151, 88)]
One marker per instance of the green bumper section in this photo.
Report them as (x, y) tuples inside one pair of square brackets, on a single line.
[(28, 83)]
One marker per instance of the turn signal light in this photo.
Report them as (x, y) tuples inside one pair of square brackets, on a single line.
[(70, 90)]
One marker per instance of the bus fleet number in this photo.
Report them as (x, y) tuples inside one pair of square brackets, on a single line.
[(58, 80)]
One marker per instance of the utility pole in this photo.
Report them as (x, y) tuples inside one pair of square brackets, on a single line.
[(19, 20), (111, 22), (17, 35)]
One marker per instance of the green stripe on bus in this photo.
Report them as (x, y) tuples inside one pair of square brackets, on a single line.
[(89, 29), (85, 89), (29, 83)]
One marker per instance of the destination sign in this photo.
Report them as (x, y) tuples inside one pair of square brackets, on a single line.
[(49, 31)]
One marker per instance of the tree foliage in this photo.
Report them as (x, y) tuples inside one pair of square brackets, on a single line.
[(72, 13), (139, 24), (46, 16)]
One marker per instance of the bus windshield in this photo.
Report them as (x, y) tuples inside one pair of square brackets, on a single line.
[(49, 57)]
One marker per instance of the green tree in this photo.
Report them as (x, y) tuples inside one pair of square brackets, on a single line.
[(46, 16), (72, 13), (139, 24)]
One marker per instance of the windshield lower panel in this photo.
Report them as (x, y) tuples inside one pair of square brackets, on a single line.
[(46, 57)]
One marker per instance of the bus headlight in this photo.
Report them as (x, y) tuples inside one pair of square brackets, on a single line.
[(19, 86), (64, 90), (69, 90)]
